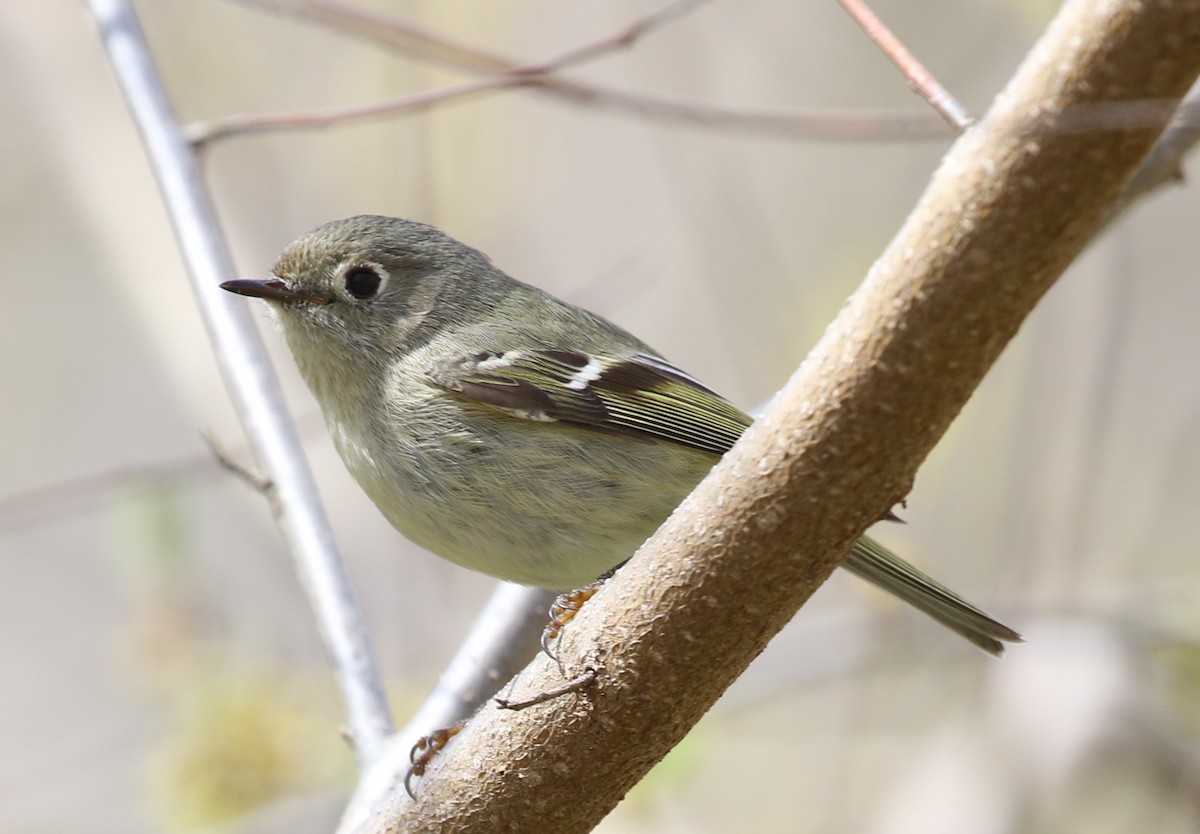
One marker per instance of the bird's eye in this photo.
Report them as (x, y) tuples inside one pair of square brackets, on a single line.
[(362, 282)]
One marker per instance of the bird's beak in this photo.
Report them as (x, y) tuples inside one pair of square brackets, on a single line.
[(273, 290)]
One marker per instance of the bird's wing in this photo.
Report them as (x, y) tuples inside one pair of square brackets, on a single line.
[(638, 395)]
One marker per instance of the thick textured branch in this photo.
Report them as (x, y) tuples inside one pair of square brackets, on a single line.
[(1015, 200)]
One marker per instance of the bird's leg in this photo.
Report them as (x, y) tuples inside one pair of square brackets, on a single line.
[(564, 609), (425, 751)]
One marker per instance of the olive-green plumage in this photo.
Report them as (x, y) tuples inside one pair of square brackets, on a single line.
[(503, 429)]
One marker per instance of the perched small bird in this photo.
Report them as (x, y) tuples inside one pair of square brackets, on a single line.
[(506, 430)]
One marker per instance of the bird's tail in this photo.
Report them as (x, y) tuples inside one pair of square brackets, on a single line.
[(879, 566)]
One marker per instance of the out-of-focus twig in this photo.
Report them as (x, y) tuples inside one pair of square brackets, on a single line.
[(919, 78), (502, 640), (239, 470), (509, 75), (1165, 163), (623, 38), (248, 377), (203, 133), (54, 500), (404, 37)]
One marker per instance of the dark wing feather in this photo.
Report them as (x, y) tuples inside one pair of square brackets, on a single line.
[(641, 396)]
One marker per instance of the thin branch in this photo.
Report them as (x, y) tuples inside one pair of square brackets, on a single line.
[(52, 500), (254, 480), (501, 641), (512, 75), (392, 33), (403, 37), (202, 133), (623, 38), (919, 78), (248, 378), (1165, 163), (581, 681), (816, 125), (1012, 204)]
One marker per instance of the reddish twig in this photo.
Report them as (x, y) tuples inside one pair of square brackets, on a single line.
[(510, 75), (919, 78), (505, 73), (201, 133)]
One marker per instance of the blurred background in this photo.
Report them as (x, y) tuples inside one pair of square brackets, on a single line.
[(161, 670)]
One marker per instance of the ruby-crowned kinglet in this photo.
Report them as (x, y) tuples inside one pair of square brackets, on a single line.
[(506, 430)]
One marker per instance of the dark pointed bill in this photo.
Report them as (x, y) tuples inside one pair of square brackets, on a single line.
[(272, 290)]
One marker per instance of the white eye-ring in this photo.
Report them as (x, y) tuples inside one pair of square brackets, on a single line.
[(364, 281)]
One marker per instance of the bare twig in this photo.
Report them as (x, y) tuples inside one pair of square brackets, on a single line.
[(816, 125), (919, 78), (1165, 163), (502, 640), (509, 75), (52, 500), (623, 38), (393, 33), (581, 681), (247, 375), (254, 480), (202, 133)]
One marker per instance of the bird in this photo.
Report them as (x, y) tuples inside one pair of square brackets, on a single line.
[(504, 429)]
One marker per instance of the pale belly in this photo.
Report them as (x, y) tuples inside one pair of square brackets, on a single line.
[(534, 503)]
